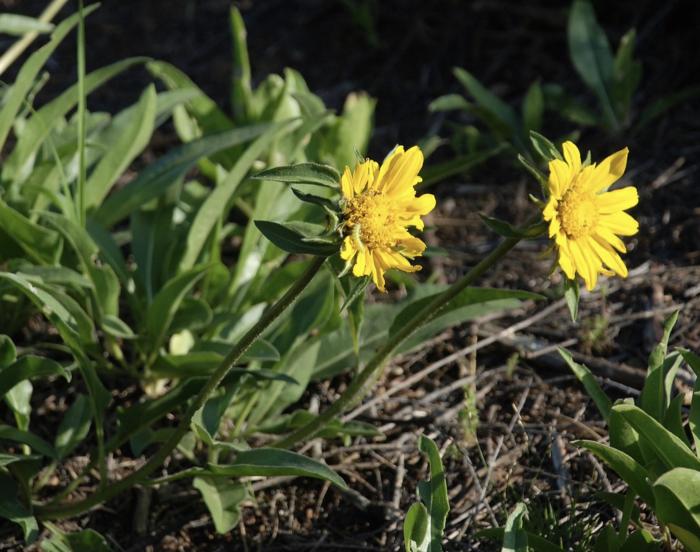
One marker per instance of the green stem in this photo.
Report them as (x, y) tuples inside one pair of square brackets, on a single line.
[(360, 382), (62, 511), (82, 172)]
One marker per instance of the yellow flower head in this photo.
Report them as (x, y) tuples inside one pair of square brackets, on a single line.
[(380, 204), (585, 219)]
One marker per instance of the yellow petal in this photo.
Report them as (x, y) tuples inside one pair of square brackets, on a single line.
[(611, 259), (373, 268), (401, 171), (565, 261), (620, 223), (572, 156), (422, 205), (554, 227), (348, 249), (394, 259), (412, 246), (606, 236), (361, 177), (346, 184), (585, 263), (617, 200), (361, 263), (559, 178), (609, 170), (550, 209)]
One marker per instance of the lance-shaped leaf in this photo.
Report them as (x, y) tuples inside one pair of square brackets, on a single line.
[(303, 173), (271, 461)]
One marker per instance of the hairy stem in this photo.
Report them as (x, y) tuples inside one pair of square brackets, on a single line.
[(62, 511)]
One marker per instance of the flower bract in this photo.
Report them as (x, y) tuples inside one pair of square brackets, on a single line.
[(379, 206), (585, 219)]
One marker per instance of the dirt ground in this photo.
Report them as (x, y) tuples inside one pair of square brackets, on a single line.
[(529, 408)]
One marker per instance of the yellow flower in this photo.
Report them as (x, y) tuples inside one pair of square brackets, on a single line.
[(585, 219), (380, 204)]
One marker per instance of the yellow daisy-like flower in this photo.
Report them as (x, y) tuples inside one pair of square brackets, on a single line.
[(380, 204), (585, 219)]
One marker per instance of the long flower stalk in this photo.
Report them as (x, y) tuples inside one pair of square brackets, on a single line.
[(355, 391), (112, 489)]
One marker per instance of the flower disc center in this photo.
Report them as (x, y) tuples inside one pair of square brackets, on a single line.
[(577, 213), (370, 215)]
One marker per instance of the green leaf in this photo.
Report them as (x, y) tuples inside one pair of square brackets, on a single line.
[(694, 414), (328, 204), (303, 173), (8, 352), (152, 238), (289, 239), (544, 147), (677, 496), (468, 297), (116, 327), (223, 499), (449, 102), (133, 129), (15, 24), (7, 459), (30, 367), (169, 169), (210, 118), (591, 55), (166, 302), (533, 107), (105, 284), (625, 466), (38, 128), (654, 399), (271, 462), (14, 99), (416, 536), (673, 418), (627, 72), (572, 296), (12, 509), (72, 322), (74, 427), (9, 433), (693, 361), (584, 375), (658, 355), (241, 90), (40, 244), (514, 537), (87, 540), (351, 131), (19, 400), (433, 494), (505, 114), (333, 429), (217, 203), (667, 447)]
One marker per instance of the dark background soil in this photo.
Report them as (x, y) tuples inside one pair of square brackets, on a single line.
[(404, 59)]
